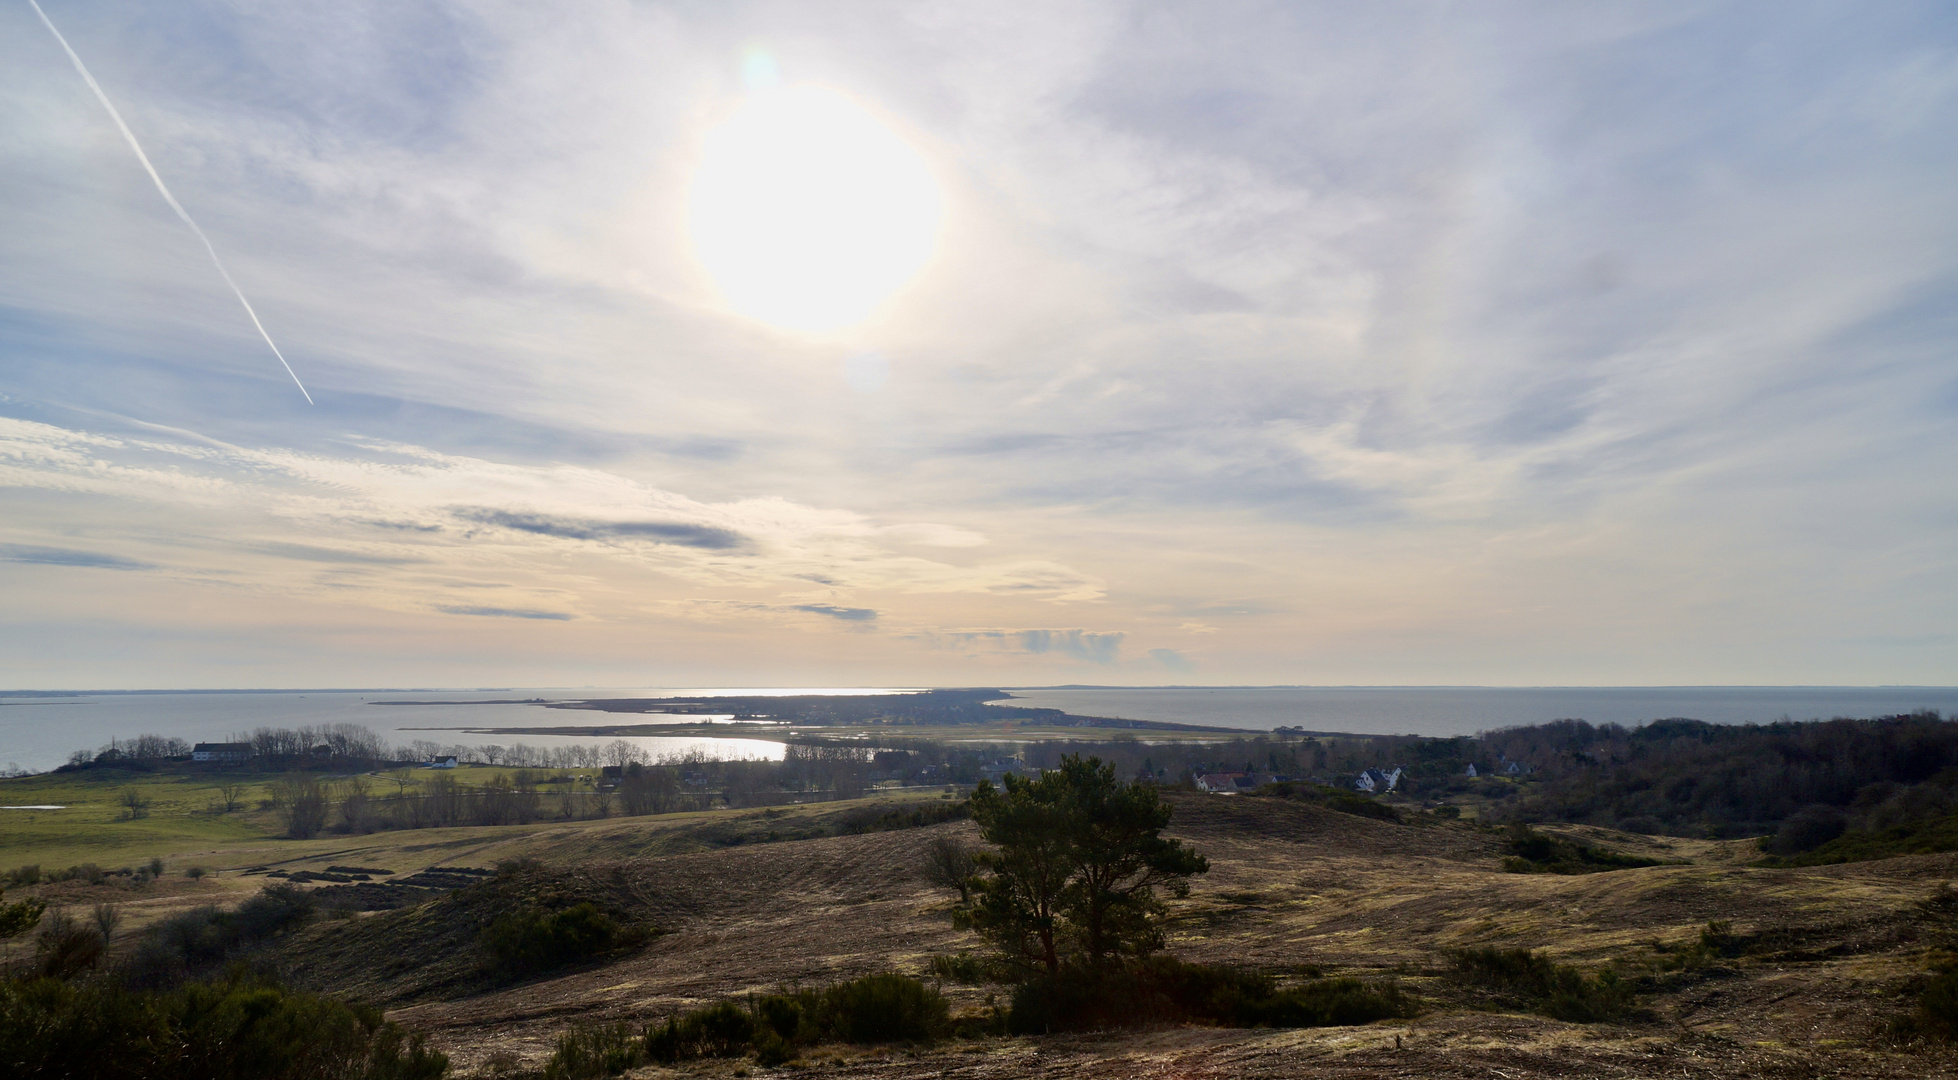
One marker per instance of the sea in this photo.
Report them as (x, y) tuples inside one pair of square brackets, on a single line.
[(38, 733)]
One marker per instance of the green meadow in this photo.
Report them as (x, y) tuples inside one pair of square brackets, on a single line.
[(184, 815)]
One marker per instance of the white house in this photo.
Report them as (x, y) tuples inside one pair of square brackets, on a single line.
[(1004, 767), (440, 761), (1377, 782), (221, 751), (1471, 771), (1232, 782)]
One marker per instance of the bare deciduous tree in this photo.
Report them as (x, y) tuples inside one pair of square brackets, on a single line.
[(949, 865), (134, 803)]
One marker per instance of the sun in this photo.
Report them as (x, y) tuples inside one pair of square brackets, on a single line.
[(808, 212)]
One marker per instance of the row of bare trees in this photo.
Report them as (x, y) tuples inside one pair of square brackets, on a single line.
[(308, 805)]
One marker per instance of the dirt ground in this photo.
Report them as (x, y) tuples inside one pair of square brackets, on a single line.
[(1291, 885)]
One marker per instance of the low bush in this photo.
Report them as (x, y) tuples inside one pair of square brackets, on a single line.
[(1163, 990), (1919, 837), (240, 1028), (1521, 977), (207, 936), (874, 1009), (19, 917), (1532, 852), (66, 946), (595, 1050), (723, 1029), (1717, 942), (1332, 798), (538, 939), (915, 815), (964, 968), (881, 1009), (1935, 1013)]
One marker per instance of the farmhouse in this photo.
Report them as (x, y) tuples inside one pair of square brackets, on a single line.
[(1005, 767), (1377, 782), (220, 751), (440, 761), (1232, 782)]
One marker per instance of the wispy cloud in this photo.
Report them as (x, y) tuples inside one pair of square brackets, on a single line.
[(1482, 343), (1091, 646), (50, 556), (503, 613), (667, 532), (846, 614)]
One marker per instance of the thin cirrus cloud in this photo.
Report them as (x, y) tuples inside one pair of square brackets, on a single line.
[(503, 613), (50, 556), (1089, 646), (685, 534), (846, 614)]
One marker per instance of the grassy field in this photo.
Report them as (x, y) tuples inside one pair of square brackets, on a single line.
[(185, 821), (185, 817), (754, 899)]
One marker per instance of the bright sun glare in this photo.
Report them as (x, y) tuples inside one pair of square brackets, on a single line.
[(808, 212)]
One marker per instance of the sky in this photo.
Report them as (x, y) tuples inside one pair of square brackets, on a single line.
[(994, 343)]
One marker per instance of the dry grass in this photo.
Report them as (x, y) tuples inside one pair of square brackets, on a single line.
[(1291, 885)]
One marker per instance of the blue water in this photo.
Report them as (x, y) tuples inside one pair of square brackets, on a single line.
[(39, 733), (1465, 710)]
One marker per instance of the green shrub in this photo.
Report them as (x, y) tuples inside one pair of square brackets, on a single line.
[(1521, 977), (1162, 990), (882, 1009), (1918, 837), (1532, 852), (589, 1051), (1936, 1013), (239, 1028), (874, 1009), (19, 917), (723, 1029), (1332, 798), (66, 946), (964, 968), (914, 815), (205, 937), (538, 939), (1329, 1003)]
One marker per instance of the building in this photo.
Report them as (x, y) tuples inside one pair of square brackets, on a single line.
[(1005, 767), (1232, 783), (221, 751), (441, 761), (1377, 782)]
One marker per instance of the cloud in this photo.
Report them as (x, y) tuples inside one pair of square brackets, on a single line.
[(1405, 337), (847, 614), (1170, 660), (668, 532), (48, 556), (310, 553), (503, 613), (1093, 646)]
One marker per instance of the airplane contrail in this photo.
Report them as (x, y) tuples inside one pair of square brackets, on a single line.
[(167, 197)]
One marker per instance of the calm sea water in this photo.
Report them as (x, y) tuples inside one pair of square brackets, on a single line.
[(1465, 710), (39, 733)]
